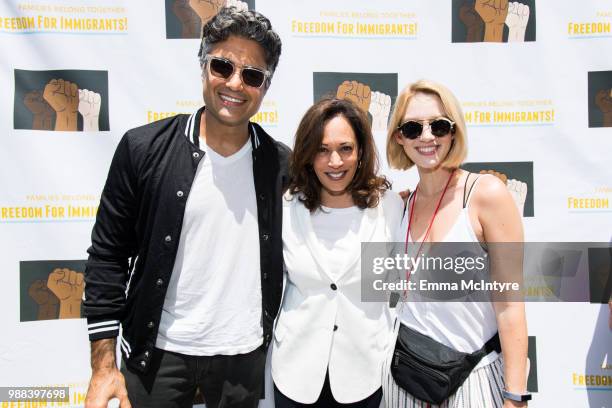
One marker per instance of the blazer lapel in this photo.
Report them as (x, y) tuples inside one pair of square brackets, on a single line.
[(366, 232), (302, 215)]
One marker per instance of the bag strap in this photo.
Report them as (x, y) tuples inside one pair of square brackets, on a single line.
[(467, 193), (493, 344)]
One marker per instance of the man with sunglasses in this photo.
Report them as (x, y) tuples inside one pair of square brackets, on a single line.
[(194, 203)]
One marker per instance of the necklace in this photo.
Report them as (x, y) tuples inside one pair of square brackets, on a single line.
[(433, 217)]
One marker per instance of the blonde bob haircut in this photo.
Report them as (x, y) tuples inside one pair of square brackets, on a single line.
[(396, 156)]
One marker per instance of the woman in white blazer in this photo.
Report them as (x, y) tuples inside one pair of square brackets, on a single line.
[(329, 345)]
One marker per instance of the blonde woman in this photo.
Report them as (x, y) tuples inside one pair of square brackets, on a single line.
[(427, 130)]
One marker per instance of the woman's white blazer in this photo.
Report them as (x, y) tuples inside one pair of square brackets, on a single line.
[(323, 324)]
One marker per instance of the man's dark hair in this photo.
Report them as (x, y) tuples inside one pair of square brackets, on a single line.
[(248, 24)]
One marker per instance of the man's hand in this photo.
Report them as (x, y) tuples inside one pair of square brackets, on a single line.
[(191, 25), (603, 100), (493, 13), (355, 92), (89, 108), (47, 302), (43, 114), (206, 9), (517, 19), (473, 22), (64, 99), (380, 106), (106, 382), (68, 286)]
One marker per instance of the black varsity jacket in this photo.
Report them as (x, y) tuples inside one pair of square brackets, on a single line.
[(138, 226)]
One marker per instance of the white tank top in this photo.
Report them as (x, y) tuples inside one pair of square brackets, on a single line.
[(464, 326)]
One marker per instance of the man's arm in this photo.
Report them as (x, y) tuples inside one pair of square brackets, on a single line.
[(107, 382), (113, 243)]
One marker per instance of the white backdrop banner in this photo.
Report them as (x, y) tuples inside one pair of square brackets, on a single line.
[(535, 84)]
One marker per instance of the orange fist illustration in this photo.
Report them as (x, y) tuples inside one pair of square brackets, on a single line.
[(355, 92), (63, 97), (43, 114), (206, 9), (47, 302), (68, 286), (493, 13)]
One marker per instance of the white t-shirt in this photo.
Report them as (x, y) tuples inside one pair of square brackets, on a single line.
[(213, 303), (337, 229)]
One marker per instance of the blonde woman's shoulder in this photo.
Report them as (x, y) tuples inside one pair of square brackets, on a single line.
[(490, 190)]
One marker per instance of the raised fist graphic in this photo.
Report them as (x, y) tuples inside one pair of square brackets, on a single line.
[(603, 100), (380, 107), (89, 108), (240, 5), (68, 286), (473, 22), (64, 99), (355, 92), (48, 303), (206, 9), (518, 191), (517, 19), (43, 114), (493, 13), (191, 24)]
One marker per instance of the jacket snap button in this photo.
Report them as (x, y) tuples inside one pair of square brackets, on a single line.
[(168, 238), (196, 155), (333, 286), (179, 193), (143, 363), (150, 325)]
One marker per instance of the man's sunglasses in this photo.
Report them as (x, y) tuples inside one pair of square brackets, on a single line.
[(224, 68), (412, 129)]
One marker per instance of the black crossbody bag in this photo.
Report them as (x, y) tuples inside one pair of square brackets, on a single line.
[(432, 371)]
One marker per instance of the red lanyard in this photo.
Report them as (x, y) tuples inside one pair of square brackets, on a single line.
[(433, 217)]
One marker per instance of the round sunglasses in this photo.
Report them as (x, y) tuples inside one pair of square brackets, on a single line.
[(413, 129), (224, 68)]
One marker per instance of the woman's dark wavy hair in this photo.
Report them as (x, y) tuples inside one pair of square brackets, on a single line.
[(366, 187)]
